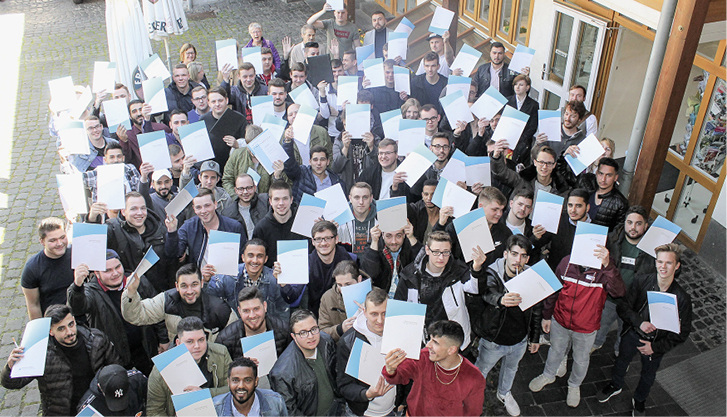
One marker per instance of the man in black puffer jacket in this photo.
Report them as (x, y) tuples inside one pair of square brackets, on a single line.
[(253, 320), (74, 356)]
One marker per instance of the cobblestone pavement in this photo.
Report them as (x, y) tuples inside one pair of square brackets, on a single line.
[(62, 39)]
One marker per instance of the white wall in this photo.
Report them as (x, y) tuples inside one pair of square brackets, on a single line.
[(541, 36), (719, 214), (628, 69)]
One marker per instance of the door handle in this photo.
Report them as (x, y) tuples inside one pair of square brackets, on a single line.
[(542, 74)]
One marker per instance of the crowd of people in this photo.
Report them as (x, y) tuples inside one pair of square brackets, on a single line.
[(107, 325)]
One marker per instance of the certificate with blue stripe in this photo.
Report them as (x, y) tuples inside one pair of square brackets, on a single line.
[(547, 211), (403, 328), (587, 237), (534, 284), (391, 214), (353, 294), (194, 403), (365, 362), (179, 369), (664, 311), (223, 251), (293, 259), (89, 246), (661, 232), (472, 231), (261, 347), (489, 103), (35, 343)]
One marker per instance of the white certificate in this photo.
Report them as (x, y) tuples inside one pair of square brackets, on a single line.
[(347, 89), (336, 4), (466, 59), (35, 344), (62, 93), (117, 113), (303, 124), (477, 169), (310, 209), (196, 141), (267, 150), (402, 80), (154, 95), (663, 311), (661, 232), (455, 170), (255, 176), (253, 55), (398, 44), (181, 200), (472, 231), (81, 103), (104, 77), (403, 328), (547, 211), (153, 149), (549, 123), (534, 284), (358, 119), (521, 58), (457, 83), (365, 362), (149, 260), (587, 236), (416, 163), (440, 23), (448, 193), (89, 411), (363, 53), (275, 125), (489, 103), (511, 126), (179, 369), (74, 138), (353, 294), (194, 404), (226, 53), (72, 193), (261, 105), (390, 123), (223, 251), (89, 246), (293, 259), (303, 96), (391, 214), (374, 72), (590, 150), (337, 208), (456, 108), (110, 186), (154, 67), (261, 347), (405, 25), (411, 135)]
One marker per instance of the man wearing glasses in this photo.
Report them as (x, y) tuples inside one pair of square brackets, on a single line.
[(539, 176), (201, 105), (441, 146), (431, 116), (251, 207), (305, 373), (97, 144)]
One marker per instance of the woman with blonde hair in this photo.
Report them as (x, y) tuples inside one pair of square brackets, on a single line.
[(196, 73), (410, 109), (187, 55)]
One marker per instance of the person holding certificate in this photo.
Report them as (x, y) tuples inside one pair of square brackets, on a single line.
[(524, 103), (506, 330), (305, 373), (386, 97), (518, 220), (444, 382), (572, 316), (179, 92), (642, 336), (333, 318), (97, 144), (140, 116), (225, 126), (241, 163), (607, 205), (427, 86), (309, 179), (112, 155), (541, 175), (74, 355), (211, 358), (245, 397), (388, 254), (561, 243), (381, 177), (247, 205), (571, 134), (246, 85), (201, 104), (356, 231), (361, 398)]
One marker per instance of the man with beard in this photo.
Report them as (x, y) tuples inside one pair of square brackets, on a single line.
[(162, 191), (276, 88), (607, 205), (140, 115), (561, 243), (112, 155), (48, 273), (382, 177), (176, 154), (74, 356), (363, 207), (177, 118), (254, 319), (185, 300), (570, 132), (518, 221), (422, 214), (379, 35), (495, 73), (252, 273), (246, 87), (245, 398), (388, 254), (247, 206), (99, 300), (211, 358), (630, 261)]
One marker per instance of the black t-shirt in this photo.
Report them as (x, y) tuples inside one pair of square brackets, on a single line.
[(51, 277), (379, 41), (81, 370)]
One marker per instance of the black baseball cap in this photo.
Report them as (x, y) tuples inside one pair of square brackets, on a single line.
[(114, 384)]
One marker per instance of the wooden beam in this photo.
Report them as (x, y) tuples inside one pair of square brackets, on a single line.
[(351, 9), (452, 5), (717, 11), (665, 109)]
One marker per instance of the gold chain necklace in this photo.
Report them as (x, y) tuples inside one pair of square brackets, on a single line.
[(444, 371)]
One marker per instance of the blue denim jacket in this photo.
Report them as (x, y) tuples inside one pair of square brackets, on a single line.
[(271, 403), (227, 287), (82, 162)]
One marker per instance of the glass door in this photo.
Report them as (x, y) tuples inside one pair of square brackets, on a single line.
[(575, 53)]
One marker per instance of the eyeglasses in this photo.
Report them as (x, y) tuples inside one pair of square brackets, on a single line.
[(305, 333), (437, 253), (200, 98), (95, 127), (386, 153), (438, 147), (545, 163), (323, 239), (430, 119), (242, 189)]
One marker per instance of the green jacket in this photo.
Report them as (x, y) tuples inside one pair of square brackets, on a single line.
[(240, 161), (159, 397)]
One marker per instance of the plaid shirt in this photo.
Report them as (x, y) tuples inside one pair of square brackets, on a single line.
[(131, 180)]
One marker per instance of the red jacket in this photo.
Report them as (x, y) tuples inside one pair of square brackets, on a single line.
[(578, 306)]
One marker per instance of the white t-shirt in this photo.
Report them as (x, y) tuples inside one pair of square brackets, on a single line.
[(387, 180)]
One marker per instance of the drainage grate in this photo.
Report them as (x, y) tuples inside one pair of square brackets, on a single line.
[(201, 15)]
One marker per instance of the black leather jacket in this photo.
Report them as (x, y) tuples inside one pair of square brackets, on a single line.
[(230, 336), (612, 210)]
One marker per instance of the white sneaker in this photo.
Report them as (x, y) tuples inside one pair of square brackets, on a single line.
[(574, 397), (563, 368), (510, 404), (539, 382)]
